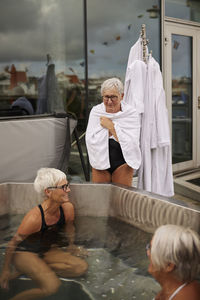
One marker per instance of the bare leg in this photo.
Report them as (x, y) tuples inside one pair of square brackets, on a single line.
[(30, 264), (65, 264), (123, 175), (14, 275), (100, 176)]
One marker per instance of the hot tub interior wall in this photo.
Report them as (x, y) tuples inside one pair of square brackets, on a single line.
[(144, 210)]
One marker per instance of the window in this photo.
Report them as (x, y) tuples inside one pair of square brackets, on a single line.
[(41, 55), (183, 9)]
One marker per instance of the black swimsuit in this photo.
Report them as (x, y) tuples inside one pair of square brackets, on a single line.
[(41, 241), (60, 222), (115, 155)]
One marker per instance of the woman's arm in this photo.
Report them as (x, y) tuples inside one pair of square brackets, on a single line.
[(6, 272), (68, 209), (70, 231), (29, 225)]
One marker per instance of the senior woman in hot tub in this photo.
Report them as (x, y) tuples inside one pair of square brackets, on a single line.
[(112, 137), (174, 255), (34, 250)]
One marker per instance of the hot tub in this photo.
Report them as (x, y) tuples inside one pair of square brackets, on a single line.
[(114, 223)]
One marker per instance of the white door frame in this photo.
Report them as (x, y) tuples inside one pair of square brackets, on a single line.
[(194, 32)]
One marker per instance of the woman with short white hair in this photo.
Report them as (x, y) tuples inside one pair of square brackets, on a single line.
[(112, 137), (35, 250), (174, 255)]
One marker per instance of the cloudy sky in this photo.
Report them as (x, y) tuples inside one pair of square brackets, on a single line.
[(29, 29)]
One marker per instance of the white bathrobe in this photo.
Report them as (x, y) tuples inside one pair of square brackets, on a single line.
[(135, 82), (135, 52), (127, 127), (135, 79), (155, 173)]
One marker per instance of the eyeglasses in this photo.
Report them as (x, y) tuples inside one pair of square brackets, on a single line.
[(63, 187), (113, 98), (148, 247)]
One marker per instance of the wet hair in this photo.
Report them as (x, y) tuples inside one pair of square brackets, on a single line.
[(47, 177), (177, 245), (112, 83)]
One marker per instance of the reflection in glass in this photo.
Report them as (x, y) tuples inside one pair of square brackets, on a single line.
[(41, 61), (40, 57), (44, 39), (112, 31), (181, 98), (183, 9)]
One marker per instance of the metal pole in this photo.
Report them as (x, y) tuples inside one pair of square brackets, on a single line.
[(86, 76), (81, 155)]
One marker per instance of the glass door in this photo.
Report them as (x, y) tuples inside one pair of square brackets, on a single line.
[(181, 74)]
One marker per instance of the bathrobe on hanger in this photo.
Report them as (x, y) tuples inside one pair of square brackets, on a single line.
[(127, 127), (135, 52), (135, 79), (135, 83), (155, 173)]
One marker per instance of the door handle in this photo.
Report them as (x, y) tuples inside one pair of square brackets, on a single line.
[(199, 102), (166, 41)]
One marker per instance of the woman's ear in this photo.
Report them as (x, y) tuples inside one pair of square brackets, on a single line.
[(47, 192), (170, 267)]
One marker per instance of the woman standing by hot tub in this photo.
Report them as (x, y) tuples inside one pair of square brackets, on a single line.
[(112, 137), (35, 250)]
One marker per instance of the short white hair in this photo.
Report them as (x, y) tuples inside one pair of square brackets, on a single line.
[(112, 83), (177, 245), (47, 177)]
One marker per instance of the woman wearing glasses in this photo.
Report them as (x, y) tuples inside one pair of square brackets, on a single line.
[(35, 250), (112, 137), (174, 255)]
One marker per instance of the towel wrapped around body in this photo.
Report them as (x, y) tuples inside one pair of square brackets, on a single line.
[(127, 127)]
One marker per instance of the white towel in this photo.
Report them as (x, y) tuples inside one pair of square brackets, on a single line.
[(127, 127)]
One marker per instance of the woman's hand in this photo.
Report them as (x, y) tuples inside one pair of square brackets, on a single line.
[(77, 251), (106, 123), (4, 279)]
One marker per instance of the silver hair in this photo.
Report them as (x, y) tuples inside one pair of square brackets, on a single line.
[(177, 245), (47, 177), (112, 83)]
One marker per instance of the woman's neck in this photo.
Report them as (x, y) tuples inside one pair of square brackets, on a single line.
[(169, 286), (50, 207)]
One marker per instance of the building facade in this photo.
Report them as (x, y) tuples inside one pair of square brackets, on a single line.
[(89, 41)]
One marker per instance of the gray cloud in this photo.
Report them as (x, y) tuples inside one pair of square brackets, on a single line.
[(38, 27), (35, 28), (19, 16)]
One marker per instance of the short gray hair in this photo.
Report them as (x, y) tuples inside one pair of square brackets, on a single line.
[(47, 177), (112, 83), (177, 245)]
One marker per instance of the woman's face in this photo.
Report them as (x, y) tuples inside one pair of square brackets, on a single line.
[(60, 192), (159, 275), (112, 100), (151, 268)]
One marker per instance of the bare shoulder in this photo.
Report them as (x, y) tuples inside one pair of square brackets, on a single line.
[(31, 222), (68, 209), (190, 291)]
